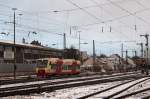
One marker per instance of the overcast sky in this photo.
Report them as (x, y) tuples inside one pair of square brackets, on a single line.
[(100, 20)]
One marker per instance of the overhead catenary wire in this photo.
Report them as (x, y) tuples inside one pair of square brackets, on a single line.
[(30, 20), (26, 12), (140, 18), (114, 19), (86, 7), (93, 16), (103, 21), (30, 13), (107, 12)]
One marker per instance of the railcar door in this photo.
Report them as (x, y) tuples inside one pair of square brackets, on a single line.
[(41, 67), (74, 64), (59, 67)]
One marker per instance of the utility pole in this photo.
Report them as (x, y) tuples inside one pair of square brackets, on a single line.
[(79, 45), (142, 53), (14, 22), (135, 53), (121, 56), (64, 43), (94, 55), (79, 40), (122, 50), (64, 40), (146, 67), (126, 57), (141, 44)]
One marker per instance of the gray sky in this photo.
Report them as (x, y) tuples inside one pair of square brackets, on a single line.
[(99, 20)]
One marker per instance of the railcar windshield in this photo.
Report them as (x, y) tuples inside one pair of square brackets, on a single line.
[(42, 63)]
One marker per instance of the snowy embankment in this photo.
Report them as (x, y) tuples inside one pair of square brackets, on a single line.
[(69, 93)]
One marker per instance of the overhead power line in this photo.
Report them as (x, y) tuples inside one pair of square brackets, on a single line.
[(93, 16), (125, 10), (115, 19), (86, 7)]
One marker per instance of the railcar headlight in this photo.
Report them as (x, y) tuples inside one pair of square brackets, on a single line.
[(37, 70)]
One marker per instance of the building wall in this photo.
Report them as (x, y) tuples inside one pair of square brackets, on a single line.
[(23, 54), (9, 68)]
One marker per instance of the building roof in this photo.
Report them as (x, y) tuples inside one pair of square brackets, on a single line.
[(26, 45)]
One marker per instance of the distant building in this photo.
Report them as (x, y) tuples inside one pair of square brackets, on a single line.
[(84, 55)]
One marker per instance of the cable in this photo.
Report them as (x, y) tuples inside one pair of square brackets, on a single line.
[(140, 18), (86, 7), (114, 19), (93, 16), (117, 18), (28, 13), (82, 9), (28, 19), (104, 9)]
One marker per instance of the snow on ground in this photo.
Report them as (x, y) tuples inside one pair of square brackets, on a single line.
[(142, 94), (69, 93), (138, 87), (117, 89), (55, 80), (21, 84), (45, 81)]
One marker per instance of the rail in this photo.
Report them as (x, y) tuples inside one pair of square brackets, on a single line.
[(112, 88)]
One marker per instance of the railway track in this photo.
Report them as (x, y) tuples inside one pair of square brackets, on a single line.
[(110, 92), (51, 85), (135, 93), (23, 79)]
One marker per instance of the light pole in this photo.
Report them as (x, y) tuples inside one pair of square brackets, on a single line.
[(79, 46), (14, 22)]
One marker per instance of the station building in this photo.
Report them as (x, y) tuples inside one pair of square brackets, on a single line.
[(26, 54)]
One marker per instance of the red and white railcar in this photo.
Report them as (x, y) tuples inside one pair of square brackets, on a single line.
[(55, 66)]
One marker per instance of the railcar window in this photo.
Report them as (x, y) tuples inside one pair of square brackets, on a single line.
[(78, 66), (74, 67), (42, 63), (65, 67), (69, 67), (53, 66), (33, 62)]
